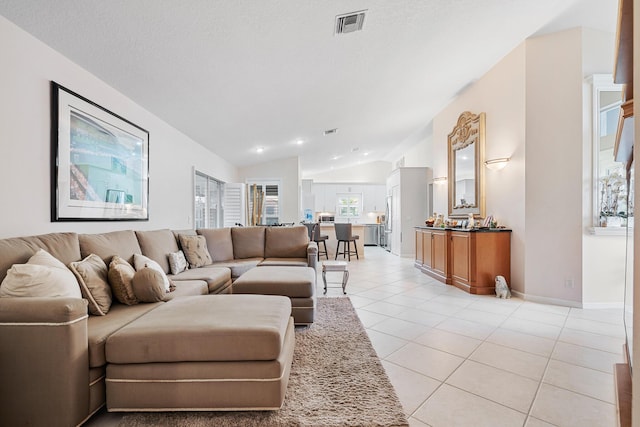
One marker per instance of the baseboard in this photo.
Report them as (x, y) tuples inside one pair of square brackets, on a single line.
[(568, 303), (547, 300), (602, 305)]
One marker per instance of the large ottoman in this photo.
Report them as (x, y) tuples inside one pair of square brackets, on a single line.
[(297, 283), (203, 353)]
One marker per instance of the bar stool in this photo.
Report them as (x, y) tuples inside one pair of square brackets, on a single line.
[(343, 234), (314, 235)]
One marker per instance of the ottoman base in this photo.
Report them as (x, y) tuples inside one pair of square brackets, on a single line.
[(201, 386)]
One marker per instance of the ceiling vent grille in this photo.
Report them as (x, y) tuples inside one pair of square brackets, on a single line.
[(350, 22)]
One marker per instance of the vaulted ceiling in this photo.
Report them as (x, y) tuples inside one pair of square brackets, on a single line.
[(236, 75)]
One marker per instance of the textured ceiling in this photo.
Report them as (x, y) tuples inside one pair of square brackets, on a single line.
[(234, 75)]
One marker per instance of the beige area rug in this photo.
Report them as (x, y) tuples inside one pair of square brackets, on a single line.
[(336, 380)]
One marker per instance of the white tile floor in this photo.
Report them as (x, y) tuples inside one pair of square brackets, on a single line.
[(464, 360)]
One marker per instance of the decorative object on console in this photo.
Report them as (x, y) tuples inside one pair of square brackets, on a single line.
[(439, 220), (502, 289), (471, 222), (100, 166)]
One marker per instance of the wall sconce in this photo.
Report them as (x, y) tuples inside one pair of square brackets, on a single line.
[(497, 164), (440, 180)]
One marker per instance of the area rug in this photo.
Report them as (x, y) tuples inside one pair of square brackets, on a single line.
[(336, 380)]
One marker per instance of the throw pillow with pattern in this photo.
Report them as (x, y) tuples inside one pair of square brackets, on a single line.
[(195, 249)]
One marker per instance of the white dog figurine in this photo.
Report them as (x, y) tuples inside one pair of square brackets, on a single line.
[(502, 289)]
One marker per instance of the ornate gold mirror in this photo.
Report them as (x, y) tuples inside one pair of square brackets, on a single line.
[(466, 175)]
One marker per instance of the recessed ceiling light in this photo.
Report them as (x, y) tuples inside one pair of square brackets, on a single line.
[(330, 131), (365, 154), (335, 157), (299, 142), (260, 150)]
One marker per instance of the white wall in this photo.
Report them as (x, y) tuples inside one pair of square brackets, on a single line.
[(288, 172), (27, 68), (554, 166), (371, 173), (500, 94)]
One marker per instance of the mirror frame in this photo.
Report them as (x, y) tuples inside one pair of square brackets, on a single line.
[(470, 129)]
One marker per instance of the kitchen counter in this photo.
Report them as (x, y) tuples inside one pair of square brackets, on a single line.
[(332, 243)]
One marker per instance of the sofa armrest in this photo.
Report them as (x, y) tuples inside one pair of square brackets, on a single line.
[(44, 362), (312, 254)]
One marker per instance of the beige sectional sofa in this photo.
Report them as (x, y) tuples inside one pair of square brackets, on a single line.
[(55, 358)]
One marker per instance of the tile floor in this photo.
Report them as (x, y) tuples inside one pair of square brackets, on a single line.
[(464, 360)]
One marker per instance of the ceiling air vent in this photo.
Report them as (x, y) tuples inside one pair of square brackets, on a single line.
[(350, 22)]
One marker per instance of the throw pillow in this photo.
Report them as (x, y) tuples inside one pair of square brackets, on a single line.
[(92, 274), (120, 275), (42, 276), (195, 249), (141, 261), (177, 262), (148, 285)]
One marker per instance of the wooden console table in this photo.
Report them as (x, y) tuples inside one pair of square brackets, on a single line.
[(467, 259)]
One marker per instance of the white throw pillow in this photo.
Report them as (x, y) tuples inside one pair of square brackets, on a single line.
[(141, 261), (42, 276), (177, 262)]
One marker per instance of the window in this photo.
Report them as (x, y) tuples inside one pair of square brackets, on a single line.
[(265, 197), (207, 207), (349, 205), (610, 183)]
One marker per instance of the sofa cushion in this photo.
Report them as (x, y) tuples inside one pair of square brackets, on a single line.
[(120, 275), (217, 278), (286, 242), (248, 242), (100, 327), (140, 262), (18, 250), (290, 262), (294, 282), (177, 262), (157, 244), (185, 288), (219, 243), (92, 273), (148, 285), (42, 276), (195, 250), (239, 266), (122, 243), (205, 328)]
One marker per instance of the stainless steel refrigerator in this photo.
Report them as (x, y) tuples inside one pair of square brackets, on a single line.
[(387, 224)]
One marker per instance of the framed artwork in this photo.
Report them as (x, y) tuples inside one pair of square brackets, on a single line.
[(100, 162)]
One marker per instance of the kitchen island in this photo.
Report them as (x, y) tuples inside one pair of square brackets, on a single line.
[(332, 243)]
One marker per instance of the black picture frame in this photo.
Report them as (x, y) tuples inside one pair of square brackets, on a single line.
[(99, 162)]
